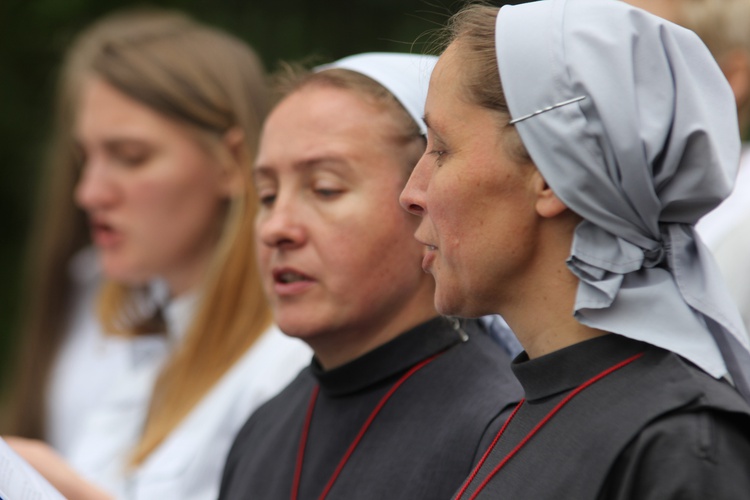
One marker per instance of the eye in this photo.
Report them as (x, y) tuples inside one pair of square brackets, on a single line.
[(326, 187), (267, 200), (328, 193), (266, 197), (130, 153), (132, 160), (439, 155), (435, 147)]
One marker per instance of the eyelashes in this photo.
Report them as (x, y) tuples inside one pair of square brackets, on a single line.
[(438, 154)]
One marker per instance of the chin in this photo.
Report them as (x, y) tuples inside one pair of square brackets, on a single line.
[(123, 275), (455, 304), (295, 327), (448, 306)]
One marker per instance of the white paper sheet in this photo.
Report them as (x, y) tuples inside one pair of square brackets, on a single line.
[(20, 481)]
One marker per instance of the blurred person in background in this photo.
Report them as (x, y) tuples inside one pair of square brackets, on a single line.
[(724, 26), (398, 400), (148, 339)]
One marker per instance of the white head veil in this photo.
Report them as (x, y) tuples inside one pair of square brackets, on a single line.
[(634, 127), (406, 76)]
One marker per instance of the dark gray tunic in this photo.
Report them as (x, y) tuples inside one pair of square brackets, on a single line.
[(656, 429), (420, 446)]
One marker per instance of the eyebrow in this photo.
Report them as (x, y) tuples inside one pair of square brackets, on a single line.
[(301, 165), (431, 128)]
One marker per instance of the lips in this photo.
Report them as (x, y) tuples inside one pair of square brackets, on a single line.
[(429, 258), (289, 281), (104, 235)]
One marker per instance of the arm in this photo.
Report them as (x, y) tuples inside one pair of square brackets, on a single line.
[(54, 468)]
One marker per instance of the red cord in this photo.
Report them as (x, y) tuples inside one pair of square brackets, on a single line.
[(487, 453), (357, 439), (303, 442), (536, 428)]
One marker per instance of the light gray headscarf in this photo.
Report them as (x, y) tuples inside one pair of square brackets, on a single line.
[(632, 124), (406, 76)]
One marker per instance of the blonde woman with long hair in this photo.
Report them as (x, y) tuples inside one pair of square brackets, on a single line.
[(157, 123)]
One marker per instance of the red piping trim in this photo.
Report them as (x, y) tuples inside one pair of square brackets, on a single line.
[(536, 428)]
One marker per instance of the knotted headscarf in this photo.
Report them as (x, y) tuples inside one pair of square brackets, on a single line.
[(634, 127), (406, 76)]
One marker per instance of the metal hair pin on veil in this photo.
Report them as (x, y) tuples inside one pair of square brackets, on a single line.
[(548, 108)]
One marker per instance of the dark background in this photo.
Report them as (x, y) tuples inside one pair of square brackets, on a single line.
[(34, 34)]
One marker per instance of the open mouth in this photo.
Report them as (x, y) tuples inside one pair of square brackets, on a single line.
[(104, 234), (287, 276)]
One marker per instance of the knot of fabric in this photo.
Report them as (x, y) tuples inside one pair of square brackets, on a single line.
[(600, 259), (656, 256)]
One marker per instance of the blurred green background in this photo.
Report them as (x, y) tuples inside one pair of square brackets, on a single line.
[(34, 34)]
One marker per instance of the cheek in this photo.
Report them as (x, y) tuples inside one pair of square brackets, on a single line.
[(181, 192), (453, 215), (375, 247), (262, 257)]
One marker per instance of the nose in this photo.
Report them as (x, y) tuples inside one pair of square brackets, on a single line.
[(413, 198), (95, 189), (280, 225)]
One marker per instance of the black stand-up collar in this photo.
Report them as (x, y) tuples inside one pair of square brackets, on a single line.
[(390, 359), (571, 366)]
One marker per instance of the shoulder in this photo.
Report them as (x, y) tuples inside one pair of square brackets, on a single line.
[(692, 453), (697, 447), (269, 417), (273, 360), (269, 425)]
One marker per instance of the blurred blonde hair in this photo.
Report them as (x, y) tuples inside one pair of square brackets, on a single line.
[(213, 83), (723, 25)]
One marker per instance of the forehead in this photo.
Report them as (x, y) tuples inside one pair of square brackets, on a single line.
[(444, 94), (323, 121), (103, 110)]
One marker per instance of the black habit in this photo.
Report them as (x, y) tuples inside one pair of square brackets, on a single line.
[(656, 429), (421, 445)]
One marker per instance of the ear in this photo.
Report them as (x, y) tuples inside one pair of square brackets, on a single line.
[(547, 205), (235, 162)]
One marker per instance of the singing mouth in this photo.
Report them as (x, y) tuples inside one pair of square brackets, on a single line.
[(287, 276), (104, 234)]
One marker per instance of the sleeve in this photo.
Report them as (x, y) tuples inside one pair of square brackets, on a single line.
[(687, 456), (232, 463)]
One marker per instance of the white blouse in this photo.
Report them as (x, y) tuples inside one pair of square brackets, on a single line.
[(101, 388), (726, 231), (89, 361), (188, 464)]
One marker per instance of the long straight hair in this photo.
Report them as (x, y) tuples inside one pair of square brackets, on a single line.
[(211, 82)]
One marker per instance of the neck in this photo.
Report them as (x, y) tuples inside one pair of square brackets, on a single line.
[(541, 315), (335, 349), (544, 338)]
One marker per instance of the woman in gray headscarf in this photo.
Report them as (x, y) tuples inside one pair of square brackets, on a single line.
[(564, 199)]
